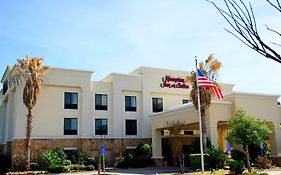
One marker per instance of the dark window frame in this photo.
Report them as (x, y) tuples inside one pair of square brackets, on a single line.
[(129, 104), (101, 131), (69, 130), (131, 123), (68, 100), (101, 106), (157, 104)]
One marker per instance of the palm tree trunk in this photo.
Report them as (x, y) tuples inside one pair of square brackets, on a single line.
[(28, 138), (248, 158), (204, 130)]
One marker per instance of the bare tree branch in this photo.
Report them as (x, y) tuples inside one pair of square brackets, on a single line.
[(242, 20), (273, 30), (278, 6)]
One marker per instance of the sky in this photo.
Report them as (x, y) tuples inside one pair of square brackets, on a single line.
[(121, 35)]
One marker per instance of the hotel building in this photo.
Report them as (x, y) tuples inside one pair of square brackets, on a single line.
[(120, 112)]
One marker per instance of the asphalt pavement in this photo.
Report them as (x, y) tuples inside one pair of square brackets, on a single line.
[(149, 171)]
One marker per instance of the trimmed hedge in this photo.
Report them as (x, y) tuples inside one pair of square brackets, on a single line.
[(195, 161), (237, 166)]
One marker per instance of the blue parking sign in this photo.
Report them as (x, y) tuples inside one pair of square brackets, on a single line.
[(102, 149), (228, 146), (261, 145)]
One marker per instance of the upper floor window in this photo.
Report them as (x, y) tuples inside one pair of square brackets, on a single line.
[(70, 100), (130, 103), (101, 126), (70, 126), (101, 101), (131, 126), (184, 101), (157, 104), (5, 88)]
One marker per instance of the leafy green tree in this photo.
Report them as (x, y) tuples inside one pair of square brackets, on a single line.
[(247, 130)]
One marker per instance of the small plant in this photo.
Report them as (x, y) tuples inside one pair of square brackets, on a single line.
[(217, 157), (56, 168), (195, 161), (77, 157), (51, 157), (66, 162), (263, 162), (90, 167), (34, 166), (237, 166)]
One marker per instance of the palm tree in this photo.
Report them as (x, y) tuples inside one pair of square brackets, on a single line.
[(32, 71), (210, 69)]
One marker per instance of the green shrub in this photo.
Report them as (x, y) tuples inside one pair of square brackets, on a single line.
[(195, 161), (75, 167), (90, 161), (53, 157), (263, 162), (66, 162), (237, 166), (56, 168), (142, 155), (128, 159), (77, 157), (217, 158), (90, 167), (34, 166)]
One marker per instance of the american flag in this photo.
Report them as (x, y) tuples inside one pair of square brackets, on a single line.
[(203, 81)]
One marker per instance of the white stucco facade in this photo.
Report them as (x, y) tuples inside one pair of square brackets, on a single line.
[(143, 84)]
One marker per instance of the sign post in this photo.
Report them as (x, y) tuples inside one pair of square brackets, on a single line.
[(262, 147), (228, 146), (103, 150)]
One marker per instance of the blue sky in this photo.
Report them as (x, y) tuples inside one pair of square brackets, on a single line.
[(121, 35)]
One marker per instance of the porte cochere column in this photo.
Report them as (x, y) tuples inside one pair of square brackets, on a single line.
[(157, 157)]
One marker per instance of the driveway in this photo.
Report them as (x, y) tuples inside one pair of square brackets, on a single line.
[(131, 171), (149, 171)]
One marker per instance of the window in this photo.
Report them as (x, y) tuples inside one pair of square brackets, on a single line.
[(5, 88), (131, 127), (157, 104), (101, 101), (101, 126), (70, 151), (184, 101), (130, 103), (188, 132), (70, 100), (70, 126)]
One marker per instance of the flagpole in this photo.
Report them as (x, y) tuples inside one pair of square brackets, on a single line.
[(199, 117)]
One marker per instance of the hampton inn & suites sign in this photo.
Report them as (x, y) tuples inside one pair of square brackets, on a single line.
[(173, 82)]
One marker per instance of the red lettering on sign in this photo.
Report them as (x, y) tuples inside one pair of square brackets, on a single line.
[(172, 82)]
